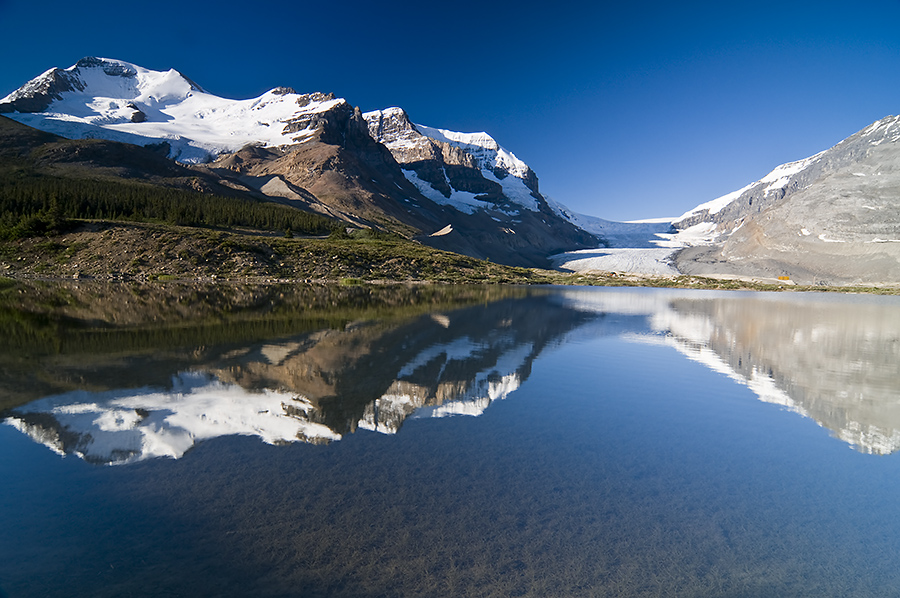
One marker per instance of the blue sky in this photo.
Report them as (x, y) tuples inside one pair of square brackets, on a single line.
[(625, 111)]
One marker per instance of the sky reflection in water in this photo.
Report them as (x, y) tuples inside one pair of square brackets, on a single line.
[(616, 466)]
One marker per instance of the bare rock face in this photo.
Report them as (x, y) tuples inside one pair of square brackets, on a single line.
[(339, 171), (37, 96), (412, 150)]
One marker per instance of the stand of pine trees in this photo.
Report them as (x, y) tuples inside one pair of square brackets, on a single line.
[(40, 205)]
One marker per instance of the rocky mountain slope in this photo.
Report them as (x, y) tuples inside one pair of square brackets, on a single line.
[(831, 218), (460, 192)]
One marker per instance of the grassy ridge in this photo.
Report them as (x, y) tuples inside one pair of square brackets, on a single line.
[(114, 251), (156, 252)]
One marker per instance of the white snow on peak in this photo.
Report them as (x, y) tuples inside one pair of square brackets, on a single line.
[(125, 102), (31, 86), (493, 159), (481, 146), (392, 127)]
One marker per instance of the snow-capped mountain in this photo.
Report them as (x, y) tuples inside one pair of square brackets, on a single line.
[(316, 152), (469, 171), (120, 101), (832, 217), (863, 148)]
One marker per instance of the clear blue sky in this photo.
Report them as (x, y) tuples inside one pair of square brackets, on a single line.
[(627, 111)]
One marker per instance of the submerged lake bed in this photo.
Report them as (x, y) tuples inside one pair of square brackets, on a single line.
[(279, 441)]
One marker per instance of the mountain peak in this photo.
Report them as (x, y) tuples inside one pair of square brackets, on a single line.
[(113, 68), (120, 101)]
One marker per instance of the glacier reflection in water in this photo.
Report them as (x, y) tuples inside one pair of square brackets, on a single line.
[(834, 359)]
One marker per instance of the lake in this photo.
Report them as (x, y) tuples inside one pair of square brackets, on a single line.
[(175, 440)]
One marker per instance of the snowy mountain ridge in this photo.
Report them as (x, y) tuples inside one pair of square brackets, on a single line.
[(831, 218), (116, 100), (771, 183), (120, 101)]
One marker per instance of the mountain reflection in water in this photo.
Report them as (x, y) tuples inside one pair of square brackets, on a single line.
[(835, 359), (311, 387)]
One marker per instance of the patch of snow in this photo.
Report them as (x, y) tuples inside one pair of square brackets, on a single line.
[(822, 237), (781, 175), (463, 201), (444, 231), (515, 189), (702, 233)]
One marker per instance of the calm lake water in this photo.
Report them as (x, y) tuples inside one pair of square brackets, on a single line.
[(272, 441)]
